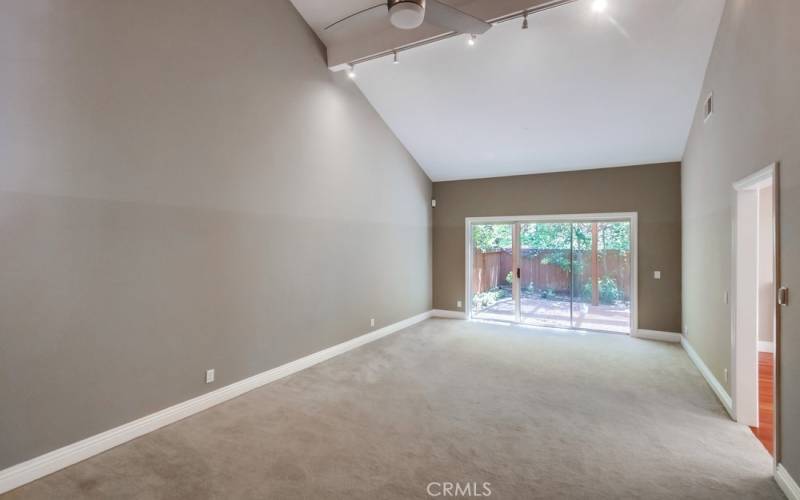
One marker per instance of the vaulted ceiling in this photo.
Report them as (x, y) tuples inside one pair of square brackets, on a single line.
[(578, 89)]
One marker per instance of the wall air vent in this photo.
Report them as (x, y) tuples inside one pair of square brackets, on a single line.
[(708, 107)]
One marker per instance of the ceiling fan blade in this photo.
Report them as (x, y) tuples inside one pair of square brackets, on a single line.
[(351, 16), (453, 19)]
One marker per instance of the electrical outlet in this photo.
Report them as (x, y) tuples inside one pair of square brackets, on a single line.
[(372, 322), (209, 376), (725, 374), (458, 304), (685, 329)]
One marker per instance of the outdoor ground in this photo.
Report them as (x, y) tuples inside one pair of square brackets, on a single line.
[(556, 313)]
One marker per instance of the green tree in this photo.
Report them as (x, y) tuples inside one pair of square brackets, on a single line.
[(614, 236), (488, 237), (553, 236)]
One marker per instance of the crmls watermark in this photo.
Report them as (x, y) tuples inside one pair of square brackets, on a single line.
[(450, 489)]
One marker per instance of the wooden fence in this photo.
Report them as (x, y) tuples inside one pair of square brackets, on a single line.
[(490, 269)]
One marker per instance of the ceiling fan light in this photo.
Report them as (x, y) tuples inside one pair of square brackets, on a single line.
[(406, 15)]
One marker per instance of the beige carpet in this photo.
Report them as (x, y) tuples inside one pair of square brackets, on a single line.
[(536, 413)]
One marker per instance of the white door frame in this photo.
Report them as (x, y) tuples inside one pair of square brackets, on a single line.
[(744, 363), (632, 217)]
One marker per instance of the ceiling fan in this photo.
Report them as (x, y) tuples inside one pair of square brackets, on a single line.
[(409, 14)]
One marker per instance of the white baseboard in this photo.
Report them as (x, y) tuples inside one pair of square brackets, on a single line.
[(35, 468), (720, 391), (656, 335), (443, 313), (787, 484), (766, 346)]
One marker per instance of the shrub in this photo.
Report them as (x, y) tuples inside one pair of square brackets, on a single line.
[(490, 297), (586, 293), (609, 291)]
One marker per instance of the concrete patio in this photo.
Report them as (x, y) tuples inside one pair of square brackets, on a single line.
[(556, 313)]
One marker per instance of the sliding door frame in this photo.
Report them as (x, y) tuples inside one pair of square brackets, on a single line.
[(632, 217)]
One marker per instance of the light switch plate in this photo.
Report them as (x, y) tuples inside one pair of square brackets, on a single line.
[(657, 275)]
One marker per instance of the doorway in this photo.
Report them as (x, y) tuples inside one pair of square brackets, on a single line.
[(754, 311), (573, 271)]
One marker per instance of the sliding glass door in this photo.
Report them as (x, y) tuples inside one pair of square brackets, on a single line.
[(492, 287), (601, 291), (554, 273), (546, 273)]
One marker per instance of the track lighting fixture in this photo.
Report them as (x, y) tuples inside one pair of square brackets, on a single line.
[(598, 6)]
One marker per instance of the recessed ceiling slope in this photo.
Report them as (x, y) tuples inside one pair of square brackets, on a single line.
[(578, 89)]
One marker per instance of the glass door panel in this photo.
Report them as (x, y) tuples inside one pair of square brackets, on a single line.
[(614, 276), (582, 271), (601, 280), (492, 287), (545, 273)]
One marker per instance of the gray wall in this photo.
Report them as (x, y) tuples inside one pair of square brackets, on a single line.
[(651, 190), (184, 185), (755, 77)]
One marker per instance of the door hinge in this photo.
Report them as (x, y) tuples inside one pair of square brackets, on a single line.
[(519, 274)]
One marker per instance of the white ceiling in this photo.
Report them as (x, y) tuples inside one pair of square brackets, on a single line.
[(577, 90)]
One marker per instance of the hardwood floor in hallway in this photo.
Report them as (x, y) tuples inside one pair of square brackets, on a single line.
[(766, 401)]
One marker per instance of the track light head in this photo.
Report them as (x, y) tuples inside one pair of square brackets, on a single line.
[(351, 72), (599, 5), (525, 21), (396, 58), (472, 40)]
